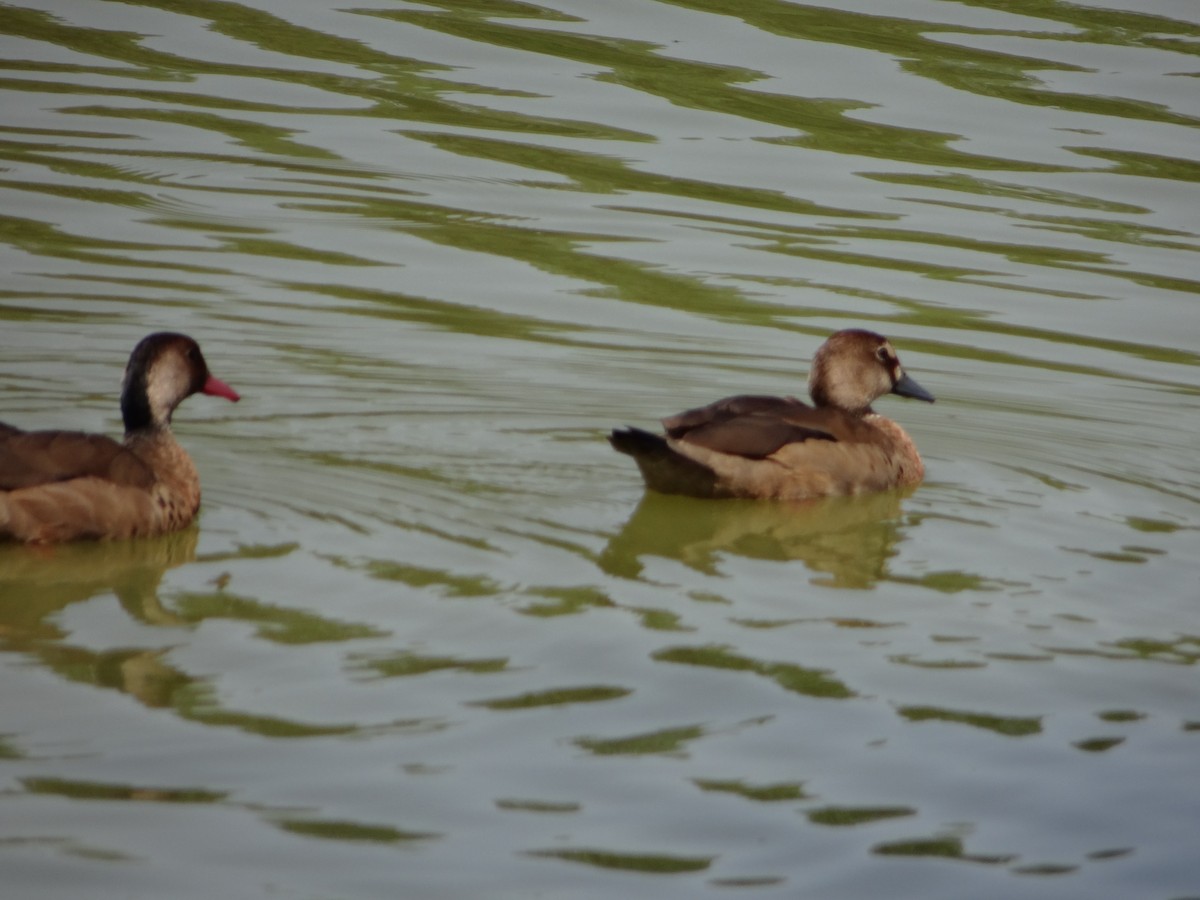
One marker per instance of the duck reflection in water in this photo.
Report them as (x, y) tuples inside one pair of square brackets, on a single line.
[(849, 539), (37, 583)]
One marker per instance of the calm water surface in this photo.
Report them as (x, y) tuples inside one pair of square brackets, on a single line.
[(430, 639)]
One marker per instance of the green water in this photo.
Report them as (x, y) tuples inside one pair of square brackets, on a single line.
[(429, 638)]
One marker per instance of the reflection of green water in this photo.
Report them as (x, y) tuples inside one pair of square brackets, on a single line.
[(90, 790), (352, 831), (842, 816), (662, 864), (670, 741), (557, 697), (1008, 726), (824, 122), (761, 793), (945, 847), (801, 680), (591, 158)]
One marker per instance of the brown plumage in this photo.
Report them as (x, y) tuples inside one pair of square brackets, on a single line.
[(778, 447), (67, 485)]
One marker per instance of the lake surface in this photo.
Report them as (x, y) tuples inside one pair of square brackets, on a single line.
[(430, 638)]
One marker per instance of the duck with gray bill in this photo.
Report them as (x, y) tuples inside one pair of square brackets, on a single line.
[(765, 447)]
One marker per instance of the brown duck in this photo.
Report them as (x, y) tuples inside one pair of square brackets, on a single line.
[(68, 485), (780, 448)]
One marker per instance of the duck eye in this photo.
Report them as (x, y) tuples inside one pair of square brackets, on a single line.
[(882, 355)]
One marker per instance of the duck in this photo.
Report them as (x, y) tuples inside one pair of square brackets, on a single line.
[(58, 486), (780, 448)]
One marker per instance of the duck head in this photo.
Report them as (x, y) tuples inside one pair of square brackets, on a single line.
[(164, 369), (854, 368)]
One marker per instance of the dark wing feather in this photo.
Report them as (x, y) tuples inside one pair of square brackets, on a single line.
[(731, 407), (749, 425), (32, 458), (753, 436)]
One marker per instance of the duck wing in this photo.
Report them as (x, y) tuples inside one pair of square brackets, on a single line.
[(729, 408), (749, 425), (35, 458)]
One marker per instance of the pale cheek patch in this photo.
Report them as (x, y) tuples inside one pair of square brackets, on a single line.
[(165, 387)]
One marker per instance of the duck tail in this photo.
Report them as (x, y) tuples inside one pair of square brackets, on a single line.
[(638, 443), (664, 468)]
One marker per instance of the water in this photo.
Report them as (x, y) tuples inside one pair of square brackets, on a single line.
[(429, 638)]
